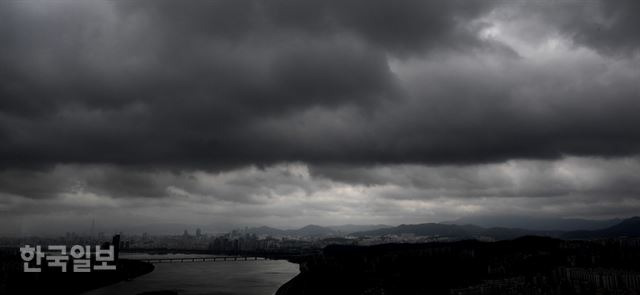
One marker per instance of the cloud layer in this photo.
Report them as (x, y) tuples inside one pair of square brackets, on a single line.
[(142, 100), (289, 195)]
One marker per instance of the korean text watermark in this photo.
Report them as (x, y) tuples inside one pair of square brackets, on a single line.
[(79, 257)]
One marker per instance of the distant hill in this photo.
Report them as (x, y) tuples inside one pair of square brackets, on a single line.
[(352, 228), (457, 231), (313, 230), (627, 228), (504, 233), (536, 223), (426, 229), (265, 231)]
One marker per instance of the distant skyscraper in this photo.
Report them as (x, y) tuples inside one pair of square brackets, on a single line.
[(115, 241)]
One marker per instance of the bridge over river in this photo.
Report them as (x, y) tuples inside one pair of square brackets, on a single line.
[(214, 258), (202, 259)]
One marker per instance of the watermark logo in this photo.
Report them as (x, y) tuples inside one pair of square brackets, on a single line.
[(80, 257)]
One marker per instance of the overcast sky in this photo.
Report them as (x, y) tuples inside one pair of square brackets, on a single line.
[(290, 112)]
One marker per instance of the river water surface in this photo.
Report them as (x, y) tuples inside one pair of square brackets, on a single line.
[(252, 277)]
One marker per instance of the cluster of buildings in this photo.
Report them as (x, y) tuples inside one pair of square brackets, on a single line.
[(562, 281), (400, 238), (601, 278), (239, 242)]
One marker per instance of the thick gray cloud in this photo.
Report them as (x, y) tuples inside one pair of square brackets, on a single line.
[(290, 195), (139, 104), (607, 26), (166, 83), (226, 83)]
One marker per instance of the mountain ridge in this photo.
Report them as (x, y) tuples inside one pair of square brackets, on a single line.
[(627, 227)]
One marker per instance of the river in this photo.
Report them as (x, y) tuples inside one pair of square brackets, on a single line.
[(261, 277)]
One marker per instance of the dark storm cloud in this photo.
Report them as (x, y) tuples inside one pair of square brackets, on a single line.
[(294, 112), (33, 184), (296, 195), (616, 29), (162, 82), (610, 28), (402, 27), (587, 177), (607, 26), (214, 84), (102, 180)]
